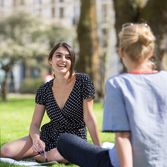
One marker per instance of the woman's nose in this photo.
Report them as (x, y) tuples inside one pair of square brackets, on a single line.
[(63, 58)]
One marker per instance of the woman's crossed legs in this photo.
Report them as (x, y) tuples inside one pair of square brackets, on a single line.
[(78, 151)]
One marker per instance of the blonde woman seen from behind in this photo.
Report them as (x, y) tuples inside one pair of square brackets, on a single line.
[(135, 102)]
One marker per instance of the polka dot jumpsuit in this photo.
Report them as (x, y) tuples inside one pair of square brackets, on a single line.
[(68, 119)]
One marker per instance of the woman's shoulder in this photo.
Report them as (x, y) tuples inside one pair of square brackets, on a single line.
[(115, 77), (127, 78), (117, 80), (45, 86), (83, 76), (163, 73)]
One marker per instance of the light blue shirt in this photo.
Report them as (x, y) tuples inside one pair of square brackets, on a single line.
[(138, 103)]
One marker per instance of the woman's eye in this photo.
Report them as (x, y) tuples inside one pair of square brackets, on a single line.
[(58, 55), (68, 57), (61, 56)]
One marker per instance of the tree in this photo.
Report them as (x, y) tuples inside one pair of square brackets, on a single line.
[(150, 11), (16, 43), (88, 61), (23, 36), (57, 34)]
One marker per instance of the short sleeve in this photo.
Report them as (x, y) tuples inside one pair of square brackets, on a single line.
[(40, 96), (115, 117), (88, 87)]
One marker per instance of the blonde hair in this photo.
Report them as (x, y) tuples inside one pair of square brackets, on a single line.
[(137, 40)]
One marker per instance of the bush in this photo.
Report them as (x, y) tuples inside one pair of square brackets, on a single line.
[(30, 85)]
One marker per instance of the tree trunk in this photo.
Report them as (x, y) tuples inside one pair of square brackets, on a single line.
[(125, 12), (88, 61), (4, 88), (155, 13), (7, 68)]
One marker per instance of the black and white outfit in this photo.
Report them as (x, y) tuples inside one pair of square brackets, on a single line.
[(69, 119)]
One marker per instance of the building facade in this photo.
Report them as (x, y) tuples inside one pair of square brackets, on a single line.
[(64, 12)]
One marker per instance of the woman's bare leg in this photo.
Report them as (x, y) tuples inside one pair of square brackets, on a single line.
[(18, 149), (52, 155), (22, 148)]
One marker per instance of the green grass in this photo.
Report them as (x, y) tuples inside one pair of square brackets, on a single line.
[(15, 118)]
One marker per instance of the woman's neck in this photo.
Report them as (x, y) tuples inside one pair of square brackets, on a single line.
[(143, 67), (62, 79)]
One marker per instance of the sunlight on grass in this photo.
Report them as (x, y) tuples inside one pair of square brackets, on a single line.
[(16, 115)]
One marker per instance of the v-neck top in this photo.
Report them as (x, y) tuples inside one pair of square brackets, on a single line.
[(68, 119)]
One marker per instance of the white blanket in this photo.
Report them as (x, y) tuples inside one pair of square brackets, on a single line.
[(26, 163)]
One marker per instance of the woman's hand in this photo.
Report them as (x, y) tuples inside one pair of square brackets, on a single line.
[(38, 145)]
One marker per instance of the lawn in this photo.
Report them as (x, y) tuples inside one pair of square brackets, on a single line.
[(15, 118)]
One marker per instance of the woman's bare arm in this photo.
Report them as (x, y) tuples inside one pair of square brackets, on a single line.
[(34, 131), (124, 149), (90, 121)]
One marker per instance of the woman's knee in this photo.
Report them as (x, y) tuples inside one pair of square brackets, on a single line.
[(63, 140), (54, 155), (65, 143), (6, 151)]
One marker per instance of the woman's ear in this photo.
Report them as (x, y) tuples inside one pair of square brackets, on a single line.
[(50, 63), (121, 52), (150, 54)]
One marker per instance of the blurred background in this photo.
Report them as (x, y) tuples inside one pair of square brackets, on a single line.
[(30, 28)]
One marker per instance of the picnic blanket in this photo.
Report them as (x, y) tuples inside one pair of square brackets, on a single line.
[(112, 153), (26, 162)]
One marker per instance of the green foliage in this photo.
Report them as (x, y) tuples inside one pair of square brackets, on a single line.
[(16, 116), (16, 36), (57, 34), (29, 85)]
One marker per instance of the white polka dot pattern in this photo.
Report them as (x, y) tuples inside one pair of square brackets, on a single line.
[(70, 118)]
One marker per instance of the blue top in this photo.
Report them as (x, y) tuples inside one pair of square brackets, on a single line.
[(138, 103)]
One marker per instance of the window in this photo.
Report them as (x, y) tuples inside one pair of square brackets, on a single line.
[(53, 12), (2, 3), (22, 2), (52, 2), (40, 1), (14, 3), (61, 12)]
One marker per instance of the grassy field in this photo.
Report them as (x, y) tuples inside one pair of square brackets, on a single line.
[(15, 118)]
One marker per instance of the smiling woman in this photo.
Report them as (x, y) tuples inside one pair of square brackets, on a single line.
[(62, 55), (68, 102)]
